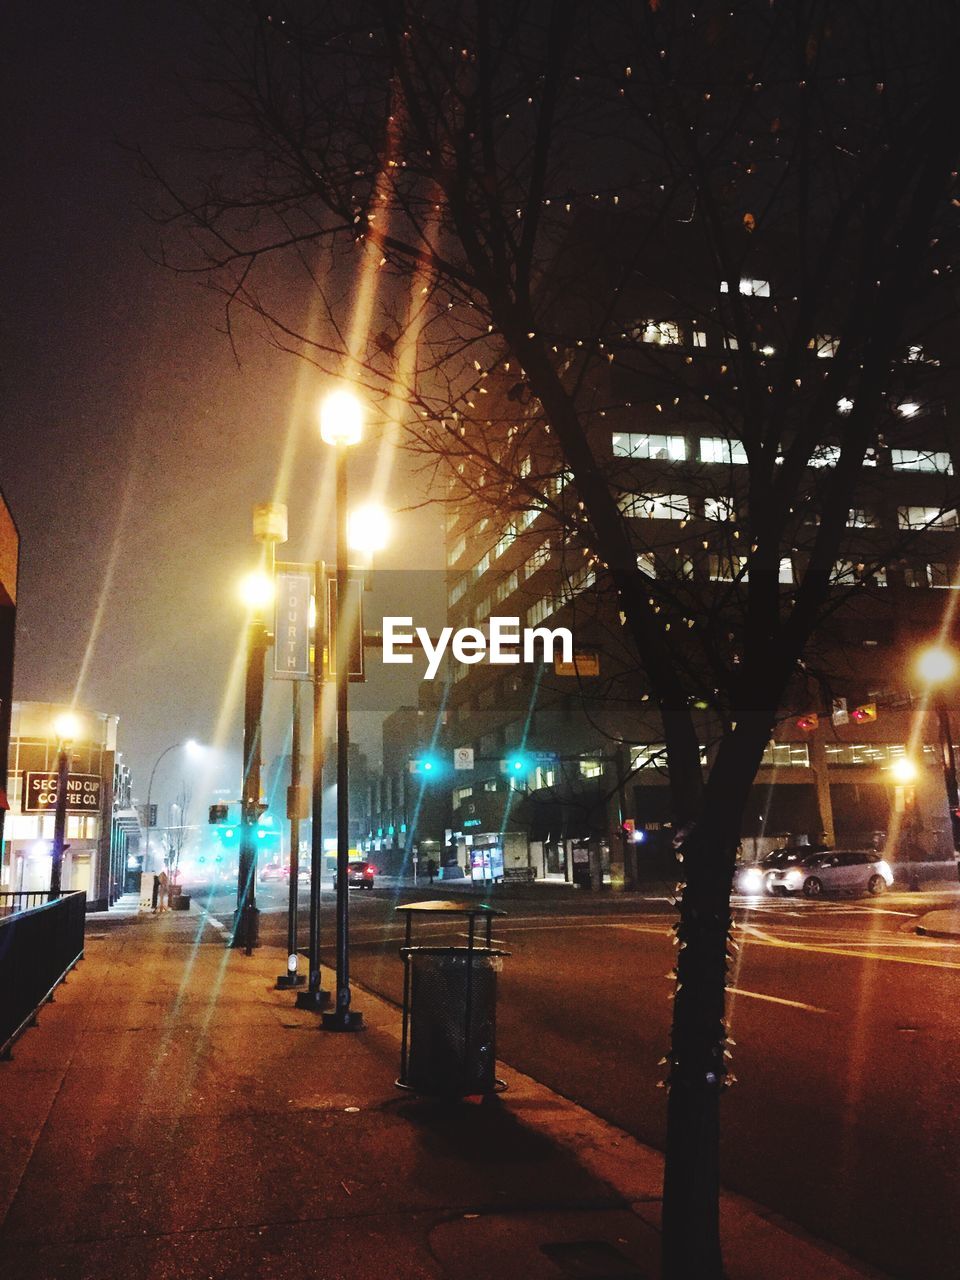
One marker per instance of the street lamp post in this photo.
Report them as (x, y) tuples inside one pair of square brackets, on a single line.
[(315, 998), (340, 426), (66, 727)]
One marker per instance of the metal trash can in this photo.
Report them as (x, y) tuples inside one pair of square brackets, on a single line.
[(449, 1042)]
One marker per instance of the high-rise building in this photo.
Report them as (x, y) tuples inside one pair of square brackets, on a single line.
[(566, 755)]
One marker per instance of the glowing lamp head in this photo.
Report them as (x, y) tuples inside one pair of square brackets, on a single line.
[(903, 770), (936, 665), (67, 727), (256, 590), (341, 418), (368, 528)]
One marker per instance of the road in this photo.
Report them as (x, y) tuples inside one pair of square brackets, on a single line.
[(846, 1112)]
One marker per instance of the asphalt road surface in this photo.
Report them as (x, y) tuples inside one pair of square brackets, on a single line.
[(846, 1112)]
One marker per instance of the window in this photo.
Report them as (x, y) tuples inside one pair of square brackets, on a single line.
[(785, 577), (656, 506), (825, 455), (490, 784), (921, 460), (824, 346), (456, 550), (591, 769), (718, 449), (926, 518), (646, 563), (461, 794), (540, 611), (662, 333), (505, 542), (651, 755), (525, 467), (934, 573), (537, 560), (458, 589), (793, 755), (543, 777), (848, 573), (719, 509), (505, 587), (723, 568), (749, 288), (699, 338), (861, 518), (635, 445)]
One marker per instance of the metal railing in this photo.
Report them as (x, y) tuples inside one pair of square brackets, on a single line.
[(38, 947), (12, 901)]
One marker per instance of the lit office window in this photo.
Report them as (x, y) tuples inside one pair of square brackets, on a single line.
[(655, 447)]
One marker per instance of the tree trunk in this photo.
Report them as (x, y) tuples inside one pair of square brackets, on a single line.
[(697, 1071)]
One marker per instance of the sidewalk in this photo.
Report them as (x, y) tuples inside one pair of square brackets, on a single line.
[(173, 1115)]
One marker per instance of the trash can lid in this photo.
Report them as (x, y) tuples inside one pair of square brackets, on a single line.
[(439, 906)]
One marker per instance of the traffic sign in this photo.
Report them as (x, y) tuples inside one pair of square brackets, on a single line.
[(463, 758)]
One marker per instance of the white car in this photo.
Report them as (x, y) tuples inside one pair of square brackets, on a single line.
[(835, 870)]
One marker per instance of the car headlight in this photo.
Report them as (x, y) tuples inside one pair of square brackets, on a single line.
[(793, 877), (884, 868), (751, 880)]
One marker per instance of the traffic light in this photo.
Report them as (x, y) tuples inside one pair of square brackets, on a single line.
[(809, 723), (862, 714), (427, 766), (515, 764)]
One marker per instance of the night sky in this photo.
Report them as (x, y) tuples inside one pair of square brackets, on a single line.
[(132, 445)]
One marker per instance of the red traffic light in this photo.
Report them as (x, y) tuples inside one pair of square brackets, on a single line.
[(808, 722), (867, 712)]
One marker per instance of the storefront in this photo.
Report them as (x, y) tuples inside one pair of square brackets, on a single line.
[(93, 856)]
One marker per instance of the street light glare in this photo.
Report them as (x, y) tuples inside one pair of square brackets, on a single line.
[(904, 770), (67, 727), (256, 590), (936, 665), (368, 528), (341, 418)]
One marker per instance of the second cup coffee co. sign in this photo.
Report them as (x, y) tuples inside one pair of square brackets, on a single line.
[(83, 793)]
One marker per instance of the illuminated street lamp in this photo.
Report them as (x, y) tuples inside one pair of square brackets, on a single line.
[(937, 666), (67, 729), (368, 528), (257, 592), (341, 425)]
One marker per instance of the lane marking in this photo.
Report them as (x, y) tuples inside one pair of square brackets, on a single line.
[(760, 939), (793, 1004)]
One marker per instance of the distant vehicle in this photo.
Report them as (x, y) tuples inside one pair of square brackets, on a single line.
[(360, 875), (274, 871), (751, 877), (855, 871)]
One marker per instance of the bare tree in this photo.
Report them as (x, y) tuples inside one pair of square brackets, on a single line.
[(177, 831), (537, 199)]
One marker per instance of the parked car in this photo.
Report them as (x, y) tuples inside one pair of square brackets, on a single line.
[(360, 875), (836, 870)]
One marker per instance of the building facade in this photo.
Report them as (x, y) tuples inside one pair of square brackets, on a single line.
[(101, 825), (9, 569), (570, 769)]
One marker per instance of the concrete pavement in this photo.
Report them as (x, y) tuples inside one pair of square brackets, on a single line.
[(173, 1115)]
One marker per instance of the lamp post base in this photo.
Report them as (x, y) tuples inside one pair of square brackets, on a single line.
[(246, 928), (313, 1001), (341, 1020), (287, 981)]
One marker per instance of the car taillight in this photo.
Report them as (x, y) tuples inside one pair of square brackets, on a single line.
[(370, 871)]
